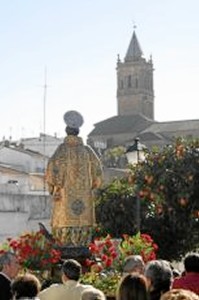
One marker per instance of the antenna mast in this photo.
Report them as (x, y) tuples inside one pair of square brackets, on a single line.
[(44, 127), (44, 100)]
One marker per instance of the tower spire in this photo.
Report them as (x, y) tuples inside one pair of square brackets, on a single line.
[(134, 51)]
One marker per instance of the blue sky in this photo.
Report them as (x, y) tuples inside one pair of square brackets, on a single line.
[(78, 42)]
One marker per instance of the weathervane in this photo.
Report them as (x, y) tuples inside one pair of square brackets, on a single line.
[(134, 25)]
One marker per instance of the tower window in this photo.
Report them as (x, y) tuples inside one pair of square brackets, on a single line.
[(121, 84), (129, 81), (136, 83)]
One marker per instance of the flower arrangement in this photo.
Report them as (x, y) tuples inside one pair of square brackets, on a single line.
[(34, 251), (108, 255), (111, 253), (139, 244), (104, 254)]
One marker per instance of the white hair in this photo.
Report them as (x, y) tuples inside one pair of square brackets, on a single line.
[(93, 294)]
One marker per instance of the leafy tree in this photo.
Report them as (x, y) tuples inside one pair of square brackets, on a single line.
[(167, 186), (115, 208), (169, 181)]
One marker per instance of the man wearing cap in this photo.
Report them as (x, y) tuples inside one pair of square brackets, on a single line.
[(73, 173)]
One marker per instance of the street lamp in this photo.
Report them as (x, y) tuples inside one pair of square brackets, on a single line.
[(136, 153)]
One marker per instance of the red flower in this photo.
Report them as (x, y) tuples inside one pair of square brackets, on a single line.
[(109, 243), (146, 237), (104, 257), (112, 248), (155, 247), (109, 262), (114, 254), (93, 248), (88, 262)]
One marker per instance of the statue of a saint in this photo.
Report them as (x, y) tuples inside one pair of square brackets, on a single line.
[(73, 173)]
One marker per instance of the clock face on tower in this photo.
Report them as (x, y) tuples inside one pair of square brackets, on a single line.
[(77, 207)]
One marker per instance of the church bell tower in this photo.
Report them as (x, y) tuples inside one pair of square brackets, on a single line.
[(135, 82)]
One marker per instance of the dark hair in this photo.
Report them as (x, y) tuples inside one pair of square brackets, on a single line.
[(27, 285), (72, 131), (133, 287), (191, 262), (72, 269)]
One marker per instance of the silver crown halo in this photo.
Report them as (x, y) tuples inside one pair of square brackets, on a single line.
[(73, 119)]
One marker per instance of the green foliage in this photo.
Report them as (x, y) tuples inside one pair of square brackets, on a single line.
[(105, 282), (115, 157), (115, 204)]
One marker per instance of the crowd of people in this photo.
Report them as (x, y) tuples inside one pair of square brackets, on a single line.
[(155, 280)]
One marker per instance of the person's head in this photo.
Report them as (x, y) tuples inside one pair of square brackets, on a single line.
[(191, 262), (179, 294), (71, 270), (24, 286), (133, 263), (92, 294), (9, 264), (132, 287), (159, 275)]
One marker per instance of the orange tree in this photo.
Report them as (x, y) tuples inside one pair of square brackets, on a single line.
[(115, 209), (167, 186)]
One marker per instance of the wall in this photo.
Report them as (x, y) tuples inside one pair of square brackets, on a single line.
[(21, 160), (20, 213)]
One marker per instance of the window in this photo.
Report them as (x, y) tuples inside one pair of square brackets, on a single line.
[(13, 182), (129, 81), (136, 83)]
